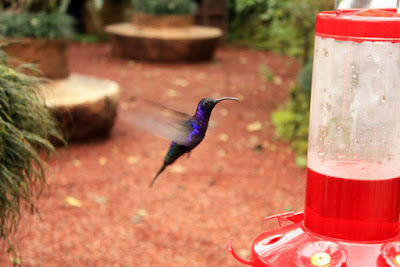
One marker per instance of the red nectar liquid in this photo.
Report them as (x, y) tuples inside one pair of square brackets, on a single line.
[(358, 209)]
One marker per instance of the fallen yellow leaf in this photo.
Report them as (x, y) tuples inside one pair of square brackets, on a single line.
[(172, 93), (76, 162), (223, 137), (141, 212), (277, 80), (177, 169), (132, 159), (73, 201), (221, 153), (180, 82), (254, 127), (100, 200), (102, 161)]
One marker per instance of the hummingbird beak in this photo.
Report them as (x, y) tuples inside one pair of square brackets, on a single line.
[(225, 98)]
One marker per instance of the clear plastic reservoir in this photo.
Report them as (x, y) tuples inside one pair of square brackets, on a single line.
[(353, 177)]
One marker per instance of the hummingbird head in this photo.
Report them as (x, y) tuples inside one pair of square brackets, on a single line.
[(206, 105)]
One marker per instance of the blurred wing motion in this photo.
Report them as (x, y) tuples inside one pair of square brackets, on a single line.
[(159, 120)]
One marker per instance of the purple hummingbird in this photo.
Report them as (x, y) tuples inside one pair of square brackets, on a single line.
[(185, 131)]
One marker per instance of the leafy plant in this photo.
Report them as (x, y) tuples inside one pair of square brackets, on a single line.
[(165, 7), (20, 19), (283, 26), (19, 6), (291, 122), (54, 25), (25, 128)]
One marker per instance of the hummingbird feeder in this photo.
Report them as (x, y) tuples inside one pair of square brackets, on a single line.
[(352, 202)]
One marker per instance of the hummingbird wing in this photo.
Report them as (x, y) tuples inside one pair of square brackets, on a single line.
[(159, 120)]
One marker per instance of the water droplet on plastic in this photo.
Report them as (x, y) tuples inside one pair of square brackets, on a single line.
[(355, 79), (339, 128), (357, 141), (325, 90), (326, 53), (340, 156), (353, 66), (383, 98), (322, 153), (370, 57), (328, 107), (390, 54)]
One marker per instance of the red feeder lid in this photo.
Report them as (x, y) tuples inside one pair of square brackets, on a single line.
[(359, 25)]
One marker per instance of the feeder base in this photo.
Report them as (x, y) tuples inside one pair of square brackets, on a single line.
[(293, 245)]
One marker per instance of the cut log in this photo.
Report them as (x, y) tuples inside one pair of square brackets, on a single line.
[(85, 106), (192, 43)]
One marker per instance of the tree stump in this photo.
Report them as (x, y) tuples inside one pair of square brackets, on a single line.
[(50, 56), (85, 106), (171, 44)]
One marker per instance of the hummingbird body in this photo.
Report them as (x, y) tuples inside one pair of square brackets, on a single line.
[(195, 130)]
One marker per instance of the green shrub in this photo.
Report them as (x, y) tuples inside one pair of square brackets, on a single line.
[(291, 122), (164, 7), (283, 26), (25, 128), (51, 25)]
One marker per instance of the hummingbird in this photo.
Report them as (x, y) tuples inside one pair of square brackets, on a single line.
[(186, 131)]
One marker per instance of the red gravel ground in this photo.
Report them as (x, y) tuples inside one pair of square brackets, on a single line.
[(230, 182)]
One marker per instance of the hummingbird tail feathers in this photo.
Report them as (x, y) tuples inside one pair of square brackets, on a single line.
[(158, 173)]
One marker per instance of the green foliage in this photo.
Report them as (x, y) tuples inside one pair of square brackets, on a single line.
[(51, 25), (25, 128), (292, 122), (19, 6), (284, 26), (165, 7)]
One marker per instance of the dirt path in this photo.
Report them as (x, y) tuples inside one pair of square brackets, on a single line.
[(230, 182)]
